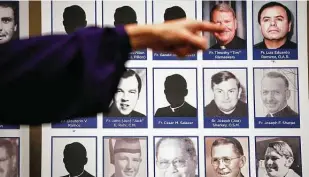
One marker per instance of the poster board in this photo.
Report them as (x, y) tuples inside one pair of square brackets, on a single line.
[(203, 124)]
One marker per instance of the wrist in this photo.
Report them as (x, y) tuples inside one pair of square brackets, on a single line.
[(140, 36)]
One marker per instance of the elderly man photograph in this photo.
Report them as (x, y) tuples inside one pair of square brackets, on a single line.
[(226, 90), (9, 20), (275, 93), (224, 14), (278, 160), (227, 157), (275, 22), (127, 96), (126, 157), (176, 157), (8, 159)]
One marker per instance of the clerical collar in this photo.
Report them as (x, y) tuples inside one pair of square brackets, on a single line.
[(173, 109), (78, 175), (223, 47), (272, 114)]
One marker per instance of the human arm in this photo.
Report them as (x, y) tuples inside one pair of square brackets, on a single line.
[(51, 78)]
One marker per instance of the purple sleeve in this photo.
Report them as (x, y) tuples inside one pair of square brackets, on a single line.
[(50, 78)]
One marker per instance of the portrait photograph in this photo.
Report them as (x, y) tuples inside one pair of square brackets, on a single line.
[(178, 151), (70, 16), (166, 10), (175, 92), (130, 99), (276, 92), (232, 15), (225, 93), (10, 20), (9, 157), (278, 156), (274, 24), (227, 156), (125, 156), (74, 156), (124, 12)]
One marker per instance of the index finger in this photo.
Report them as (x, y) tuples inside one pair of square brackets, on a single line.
[(207, 26)]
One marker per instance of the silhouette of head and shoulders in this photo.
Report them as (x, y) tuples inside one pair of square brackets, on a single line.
[(125, 15), (74, 159), (74, 17), (175, 90)]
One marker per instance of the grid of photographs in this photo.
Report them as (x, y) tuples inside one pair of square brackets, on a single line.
[(233, 110)]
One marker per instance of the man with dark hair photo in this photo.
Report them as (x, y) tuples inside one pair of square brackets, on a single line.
[(127, 96), (227, 89), (74, 17), (74, 159), (175, 90), (173, 13), (125, 15), (225, 15), (276, 24), (9, 20)]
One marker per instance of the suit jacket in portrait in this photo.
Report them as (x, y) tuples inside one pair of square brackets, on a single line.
[(236, 43), (286, 112), (114, 112), (184, 111), (85, 174), (287, 45), (212, 110)]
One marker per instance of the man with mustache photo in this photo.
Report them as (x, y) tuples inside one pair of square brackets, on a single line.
[(224, 14), (276, 24)]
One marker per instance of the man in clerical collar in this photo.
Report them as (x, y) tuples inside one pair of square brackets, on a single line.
[(74, 159), (275, 22), (275, 93), (127, 95), (126, 157), (226, 103), (227, 157), (175, 92), (278, 160), (224, 15)]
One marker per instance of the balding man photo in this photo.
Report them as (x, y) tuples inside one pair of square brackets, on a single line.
[(176, 157)]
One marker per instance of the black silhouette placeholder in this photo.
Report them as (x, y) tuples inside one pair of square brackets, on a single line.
[(125, 15), (175, 90), (74, 17), (74, 159), (173, 13)]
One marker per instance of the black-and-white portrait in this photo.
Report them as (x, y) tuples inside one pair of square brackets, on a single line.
[(124, 12), (74, 156), (130, 99), (227, 156), (171, 10), (225, 93), (9, 16), (278, 157), (276, 92), (232, 15), (125, 157), (176, 156), (175, 92), (274, 24), (9, 156), (69, 16)]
